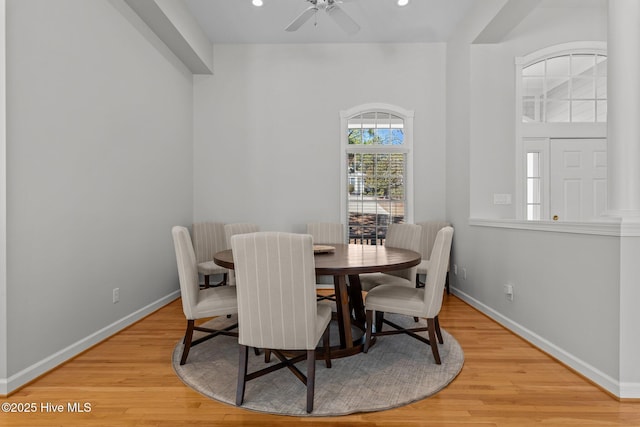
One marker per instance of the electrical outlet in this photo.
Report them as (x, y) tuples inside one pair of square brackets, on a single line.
[(116, 295), (464, 273), (455, 269)]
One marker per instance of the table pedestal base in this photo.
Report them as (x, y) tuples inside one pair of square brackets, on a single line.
[(337, 350)]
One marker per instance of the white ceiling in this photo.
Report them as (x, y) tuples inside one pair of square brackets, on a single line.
[(381, 21)]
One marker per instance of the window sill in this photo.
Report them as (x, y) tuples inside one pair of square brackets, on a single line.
[(618, 227)]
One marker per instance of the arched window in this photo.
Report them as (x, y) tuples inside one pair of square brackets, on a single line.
[(376, 182), (567, 88), (561, 105)]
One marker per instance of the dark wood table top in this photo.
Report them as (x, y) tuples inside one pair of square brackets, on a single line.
[(350, 259)]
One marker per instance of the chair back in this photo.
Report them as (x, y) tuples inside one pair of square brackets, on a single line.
[(429, 231), (187, 269), (404, 236), (326, 232), (275, 280), (238, 228), (208, 238), (438, 264)]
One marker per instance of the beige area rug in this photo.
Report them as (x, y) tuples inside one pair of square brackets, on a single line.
[(396, 371)]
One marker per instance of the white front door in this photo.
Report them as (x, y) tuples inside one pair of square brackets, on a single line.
[(578, 178)]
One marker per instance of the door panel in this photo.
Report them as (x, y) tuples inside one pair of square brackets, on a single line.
[(578, 178)]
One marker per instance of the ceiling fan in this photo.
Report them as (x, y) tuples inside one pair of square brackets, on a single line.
[(332, 9)]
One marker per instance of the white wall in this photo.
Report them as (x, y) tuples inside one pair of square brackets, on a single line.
[(267, 136), (99, 162), (566, 285), (629, 317)]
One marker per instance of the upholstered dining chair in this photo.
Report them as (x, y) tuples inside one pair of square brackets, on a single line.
[(231, 230), (326, 233), (429, 231), (404, 236), (277, 307), (411, 301), (209, 238), (199, 303)]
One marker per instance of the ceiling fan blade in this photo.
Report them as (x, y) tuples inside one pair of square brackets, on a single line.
[(302, 18), (342, 19)]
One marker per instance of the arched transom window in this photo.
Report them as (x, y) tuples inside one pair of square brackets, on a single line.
[(569, 88)]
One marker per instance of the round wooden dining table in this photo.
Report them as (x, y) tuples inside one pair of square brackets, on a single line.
[(349, 260)]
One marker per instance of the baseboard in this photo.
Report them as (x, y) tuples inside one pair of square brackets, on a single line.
[(8, 385), (606, 382), (630, 391)]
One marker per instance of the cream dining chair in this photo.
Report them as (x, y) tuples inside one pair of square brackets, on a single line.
[(328, 233), (231, 230), (404, 236), (209, 238), (429, 231), (411, 301), (199, 303), (277, 307)]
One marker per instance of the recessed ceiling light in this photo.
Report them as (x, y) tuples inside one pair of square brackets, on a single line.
[(403, 2), (257, 3)]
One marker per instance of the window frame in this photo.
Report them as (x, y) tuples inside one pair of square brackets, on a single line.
[(527, 132), (406, 148), (540, 146)]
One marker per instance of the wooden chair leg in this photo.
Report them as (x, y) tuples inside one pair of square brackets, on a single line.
[(367, 339), (242, 374), (206, 281), (188, 336), (379, 319), (311, 378), (267, 355), (446, 282), (432, 340), (438, 331), (327, 347), (418, 285)]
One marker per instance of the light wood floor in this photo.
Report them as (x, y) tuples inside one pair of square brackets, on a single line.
[(128, 380)]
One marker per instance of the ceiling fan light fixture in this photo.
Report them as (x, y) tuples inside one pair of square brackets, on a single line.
[(257, 3), (332, 9), (403, 3)]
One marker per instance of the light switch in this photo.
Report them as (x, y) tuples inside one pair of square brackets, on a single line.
[(501, 199)]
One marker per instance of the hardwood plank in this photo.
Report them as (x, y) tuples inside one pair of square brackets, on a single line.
[(128, 380)]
